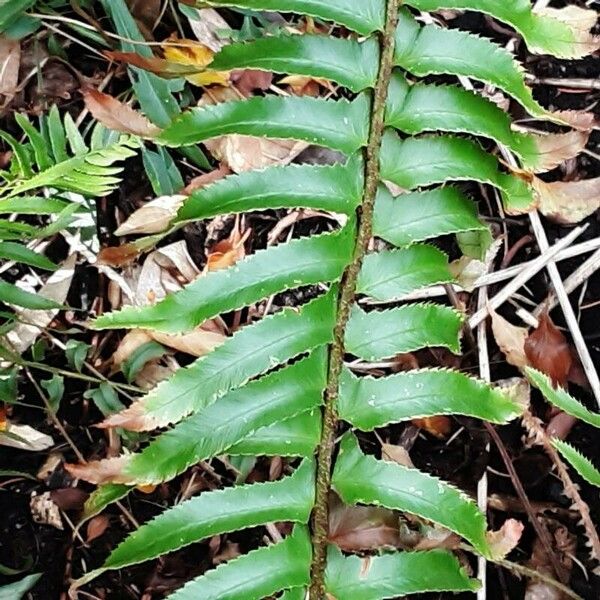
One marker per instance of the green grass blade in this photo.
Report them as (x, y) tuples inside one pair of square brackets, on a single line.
[(11, 294)]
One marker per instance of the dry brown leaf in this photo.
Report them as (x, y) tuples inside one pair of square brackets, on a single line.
[(10, 61), (548, 351), (568, 202), (199, 342), (155, 216), (96, 527), (503, 541), (99, 471), (580, 120), (197, 183), (354, 528), (206, 26), (248, 80), (554, 149), (580, 21), (397, 454), (510, 339), (118, 256), (145, 11), (116, 115), (154, 64), (244, 153), (196, 55)]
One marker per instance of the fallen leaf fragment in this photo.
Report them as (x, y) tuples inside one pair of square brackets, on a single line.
[(197, 183), (45, 511), (548, 351), (439, 426), (503, 541), (24, 437), (227, 252), (206, 26), (355, 528), (510, 339), (98, 472), (198, 56), (116, 115), (397, 454), (154, 217), (580, 120), (96, 527), (568, 202), (10, 61)]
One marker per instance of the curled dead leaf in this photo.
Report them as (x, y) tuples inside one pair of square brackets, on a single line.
[(580, 120), (227, 252), (554, 149), (510, 339), (197, 183), (116, 115), (154, 217), (568, 202), (548, 351), (117, 256)]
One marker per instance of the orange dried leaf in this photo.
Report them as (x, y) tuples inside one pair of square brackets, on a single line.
[(439, 426), (116, 115), (548, 351), (117, 256), (227, 252)]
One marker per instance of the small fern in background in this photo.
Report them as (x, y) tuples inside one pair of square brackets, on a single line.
[(280, 386), (56, 162)]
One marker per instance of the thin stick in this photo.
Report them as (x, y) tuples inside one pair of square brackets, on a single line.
[(584, 354), (540, 530), (482, 485), (571, 283), (535, 266), (346, 299)]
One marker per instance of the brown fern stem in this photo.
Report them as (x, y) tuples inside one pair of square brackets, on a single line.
[(345, 301)]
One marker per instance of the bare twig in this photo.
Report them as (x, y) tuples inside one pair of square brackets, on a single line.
[(584, 354), (540, 530), (548, 253), (572, 282)]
